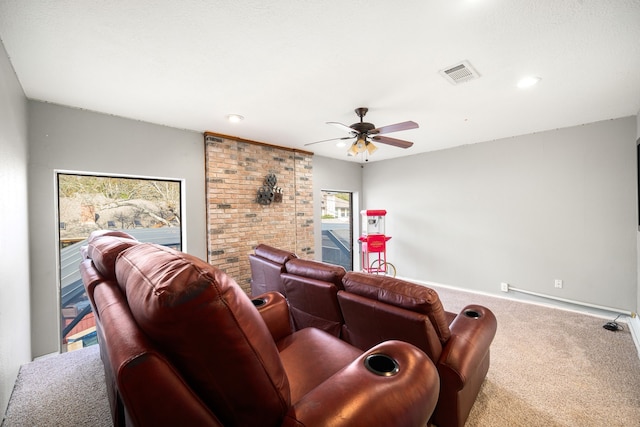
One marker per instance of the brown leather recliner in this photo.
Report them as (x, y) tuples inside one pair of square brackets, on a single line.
[(186, 346), (98, 268), (312, 289), (379, 308), (267, 263)]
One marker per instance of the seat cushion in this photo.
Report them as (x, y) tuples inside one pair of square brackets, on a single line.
[(210, 330), (310, 356), (402, 294)]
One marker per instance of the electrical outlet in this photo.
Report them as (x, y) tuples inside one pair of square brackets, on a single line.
[(558, 283), (504, 287)]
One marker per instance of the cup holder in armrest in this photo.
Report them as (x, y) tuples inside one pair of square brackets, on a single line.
[(472, 314), (259, 302), (381, 364)]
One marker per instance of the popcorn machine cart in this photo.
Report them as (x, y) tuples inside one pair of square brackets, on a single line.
[(373, 243)]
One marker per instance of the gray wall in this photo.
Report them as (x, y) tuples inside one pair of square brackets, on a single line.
[(525, 210), (62, 138), (15, 347), (335, 175)]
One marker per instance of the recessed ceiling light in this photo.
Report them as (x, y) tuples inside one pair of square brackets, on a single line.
[(528, 81), (341, 144), (235, 118)]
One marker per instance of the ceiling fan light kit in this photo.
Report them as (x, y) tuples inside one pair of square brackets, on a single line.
[(365, 133), (361, 145), (371, 148)]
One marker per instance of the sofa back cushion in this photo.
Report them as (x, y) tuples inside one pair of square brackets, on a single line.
[(368, 322), (265, 276), (316, 270), (403, 294), (312, 291), (267, 263), (313, 304), (279, 256), (210, 330), (104, 246)]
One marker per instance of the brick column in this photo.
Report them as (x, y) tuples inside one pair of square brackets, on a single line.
[(235, 169)]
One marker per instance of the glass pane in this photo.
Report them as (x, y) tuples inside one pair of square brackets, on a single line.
[(147, 209), (337, 235)]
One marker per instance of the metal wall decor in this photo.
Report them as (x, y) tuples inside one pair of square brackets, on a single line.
[(269, 193)]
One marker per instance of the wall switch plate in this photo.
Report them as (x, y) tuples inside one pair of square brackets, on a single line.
[(558, 283), (504, 287)]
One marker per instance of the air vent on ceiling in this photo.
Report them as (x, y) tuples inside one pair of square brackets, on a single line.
[(460, 73)]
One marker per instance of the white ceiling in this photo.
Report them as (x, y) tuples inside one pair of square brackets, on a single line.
[(289, 66)]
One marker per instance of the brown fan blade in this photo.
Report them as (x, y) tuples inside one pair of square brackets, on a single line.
[(330, 139), (343, 127), (394, 128), (392, 141)]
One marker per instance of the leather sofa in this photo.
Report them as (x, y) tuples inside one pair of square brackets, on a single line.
[(378, 308), (182, 344), (375, 308)]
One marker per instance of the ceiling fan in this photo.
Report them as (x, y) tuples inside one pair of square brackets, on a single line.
[(366, 133)]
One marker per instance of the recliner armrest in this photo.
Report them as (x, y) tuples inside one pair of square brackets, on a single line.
[(356, 396), (472, 332), (274, 309)]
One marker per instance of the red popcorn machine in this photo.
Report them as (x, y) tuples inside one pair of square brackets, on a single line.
[(373, 243)]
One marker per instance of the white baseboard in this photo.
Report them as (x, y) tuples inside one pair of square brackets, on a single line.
[(632, 321), (634, 327), (45, 356)]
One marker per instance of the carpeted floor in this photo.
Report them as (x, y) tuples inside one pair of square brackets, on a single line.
[(59, 391), (549, 368), (552, 367)]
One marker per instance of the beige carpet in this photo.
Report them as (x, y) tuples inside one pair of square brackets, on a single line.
[(59, 391), (549, 368)]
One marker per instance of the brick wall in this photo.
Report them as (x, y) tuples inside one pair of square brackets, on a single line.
[(235, 169)]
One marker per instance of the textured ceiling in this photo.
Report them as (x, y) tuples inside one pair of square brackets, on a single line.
[(289, 66)]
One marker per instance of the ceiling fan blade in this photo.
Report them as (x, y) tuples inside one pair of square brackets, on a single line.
[(330, 139), (394, 128), (392, 141), (342, 126)]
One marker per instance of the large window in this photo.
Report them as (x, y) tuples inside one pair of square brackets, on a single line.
[(337, 226), (148, 209)]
